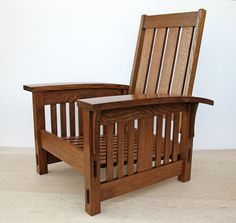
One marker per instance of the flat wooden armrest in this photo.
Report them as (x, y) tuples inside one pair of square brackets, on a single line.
[(72, 86), (124, 101)]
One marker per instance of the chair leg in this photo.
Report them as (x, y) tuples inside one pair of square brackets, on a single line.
[(92, 200), (92, 185), (39, 124), (186, 175), (41, 160), (187, 143), (91, 163)]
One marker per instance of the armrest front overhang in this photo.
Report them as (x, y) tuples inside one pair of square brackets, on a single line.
[(125, 101), (72, 86)]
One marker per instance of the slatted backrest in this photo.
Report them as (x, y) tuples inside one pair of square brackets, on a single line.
[(167, 53)]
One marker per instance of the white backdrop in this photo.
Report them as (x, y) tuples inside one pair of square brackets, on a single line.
[(71, 40)]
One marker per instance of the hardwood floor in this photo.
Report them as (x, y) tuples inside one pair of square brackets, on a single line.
[(58, 196)]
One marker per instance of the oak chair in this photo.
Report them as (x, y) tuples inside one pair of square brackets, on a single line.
[(126, 137)]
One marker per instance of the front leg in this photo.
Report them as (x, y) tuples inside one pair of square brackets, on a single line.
[(39, 124), (187, 141), (91, 163)]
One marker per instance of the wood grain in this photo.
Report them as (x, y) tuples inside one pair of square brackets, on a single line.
[(63, 119), (63, 150), (168, 61), (137, 57), (194, 54), (171, 20), (184, 146), (145, 144), (139, 180), (91, 163), (159, 145), (131, 143), (110, 131), (126, 101), (72, 86), (175, 145), (54, 118), (72, 118), (121, 149), (39, 124), (155, 66), (144, 61), (167, 138), (182, 59)]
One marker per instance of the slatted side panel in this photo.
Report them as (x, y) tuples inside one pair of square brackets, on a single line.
[(166, 59), (62, 119), (139, 145)]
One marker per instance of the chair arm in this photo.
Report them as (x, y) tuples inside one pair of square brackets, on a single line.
[(125, 101), (72, 86)]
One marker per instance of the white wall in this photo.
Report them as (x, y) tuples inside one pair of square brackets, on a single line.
[(71, 40)]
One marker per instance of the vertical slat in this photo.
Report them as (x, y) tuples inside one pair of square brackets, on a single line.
[(168, 63), (144, 62), (130, 147), (145, 144), (194, 54), (54, 118), (109, 139), (167, 138), (63, 119), (72, 119), (175, 144), (137, 57), (159, 140), (155, 65), (181, 62), (120, 147), (81, 129)]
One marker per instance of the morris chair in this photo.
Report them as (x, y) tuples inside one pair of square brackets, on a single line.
[(121, 137)]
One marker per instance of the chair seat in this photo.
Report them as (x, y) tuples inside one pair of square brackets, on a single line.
[(78, 141)]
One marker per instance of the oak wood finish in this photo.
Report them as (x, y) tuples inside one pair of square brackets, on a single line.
[(121, 149), (110, 132), (171, 20), (72, 86), (145, 144), (78, 141), (168, 60), (158, 151), (39, 124), (63, 150), (131, 144), (138, 134), (126, 101), (91, 163), (136, 181)]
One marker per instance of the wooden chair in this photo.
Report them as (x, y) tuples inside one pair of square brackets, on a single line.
[(138, 134)]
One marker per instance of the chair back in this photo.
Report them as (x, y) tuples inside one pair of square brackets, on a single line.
[(167, 53)]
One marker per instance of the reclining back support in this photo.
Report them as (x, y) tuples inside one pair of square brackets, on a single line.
[(167, 53)]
